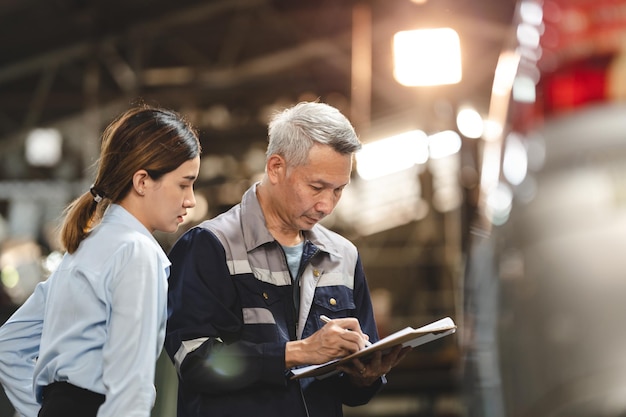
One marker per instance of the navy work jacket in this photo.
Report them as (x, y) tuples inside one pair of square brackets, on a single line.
[(231, 306)]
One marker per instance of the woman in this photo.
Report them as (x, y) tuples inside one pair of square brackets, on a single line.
[(88, 337)]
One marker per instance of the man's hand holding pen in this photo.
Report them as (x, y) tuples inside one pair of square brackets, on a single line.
[(339, 338), (364, 374), (326, 319), (334, 340)]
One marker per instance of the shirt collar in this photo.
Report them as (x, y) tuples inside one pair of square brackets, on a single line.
[(116, 214)]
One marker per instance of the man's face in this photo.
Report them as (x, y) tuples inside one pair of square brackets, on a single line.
[(310, 192)]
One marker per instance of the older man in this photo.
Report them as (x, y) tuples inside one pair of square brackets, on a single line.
[(248, 288)]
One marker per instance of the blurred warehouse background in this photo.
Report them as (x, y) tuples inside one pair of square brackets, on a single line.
[(494, 193)]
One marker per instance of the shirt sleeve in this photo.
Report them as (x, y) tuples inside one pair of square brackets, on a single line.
[(19, 348), (204, 331), (130, 351)]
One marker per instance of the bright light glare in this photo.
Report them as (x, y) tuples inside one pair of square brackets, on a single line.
[(9, 276), (469, 123), (524, 90), (444, 144), (499, 204), (43, 147), (52, 261), (506, 69), (531, 13), (515, 161), (367, 205), (530, 54), (492, 130), (427, 57), (528, 35), (386, 156)]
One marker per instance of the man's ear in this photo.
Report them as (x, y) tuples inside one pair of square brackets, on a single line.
[(276, 168), (140, 179)]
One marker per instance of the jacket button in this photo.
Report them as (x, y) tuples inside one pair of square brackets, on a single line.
[(316, 273), (332, 302), (265, 295)]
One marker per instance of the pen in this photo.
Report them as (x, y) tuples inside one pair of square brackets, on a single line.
[(326, 319)]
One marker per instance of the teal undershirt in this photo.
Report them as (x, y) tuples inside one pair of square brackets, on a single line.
[(294, 255)]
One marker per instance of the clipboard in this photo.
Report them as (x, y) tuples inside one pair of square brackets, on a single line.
[(406, 337)]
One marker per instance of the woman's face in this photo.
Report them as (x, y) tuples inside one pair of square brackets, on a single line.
[(166, 200)]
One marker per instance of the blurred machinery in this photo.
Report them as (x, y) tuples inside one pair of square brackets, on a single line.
[(544, 294)]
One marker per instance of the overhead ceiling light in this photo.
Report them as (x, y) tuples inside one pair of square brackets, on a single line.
[(44, 147), (426, 57), (442, 144), (469, 122), (393, 154)]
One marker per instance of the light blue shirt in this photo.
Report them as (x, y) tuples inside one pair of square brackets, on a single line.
[(97, 322), (293, 254)]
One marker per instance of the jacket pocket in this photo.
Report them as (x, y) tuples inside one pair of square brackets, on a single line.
[(262, 309), (334, 301)]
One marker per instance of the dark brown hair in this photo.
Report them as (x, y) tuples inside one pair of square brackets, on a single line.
[(155, 139)]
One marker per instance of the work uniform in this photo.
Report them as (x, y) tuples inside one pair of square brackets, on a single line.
[(232, 311)]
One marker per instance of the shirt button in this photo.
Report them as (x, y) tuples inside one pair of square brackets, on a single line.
[(332, 302)]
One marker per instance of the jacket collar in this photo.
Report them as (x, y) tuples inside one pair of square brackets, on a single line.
[(256, 234)]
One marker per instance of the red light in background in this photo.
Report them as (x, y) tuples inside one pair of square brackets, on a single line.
[(574, 85)]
